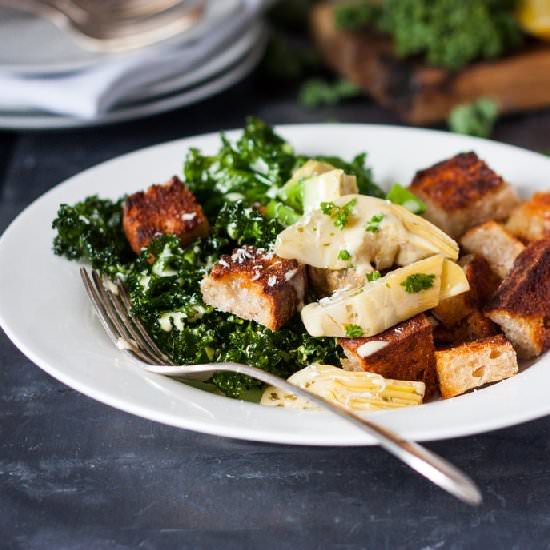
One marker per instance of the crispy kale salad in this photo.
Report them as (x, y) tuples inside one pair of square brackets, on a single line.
[(244, 193)]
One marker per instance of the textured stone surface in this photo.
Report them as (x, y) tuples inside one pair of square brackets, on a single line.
[(76, 474)]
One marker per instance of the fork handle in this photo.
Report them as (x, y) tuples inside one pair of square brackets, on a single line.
[(426, 463)]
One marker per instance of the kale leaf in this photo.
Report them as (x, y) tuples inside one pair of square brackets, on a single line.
[(255, 170), (91, 230), (448, 33)]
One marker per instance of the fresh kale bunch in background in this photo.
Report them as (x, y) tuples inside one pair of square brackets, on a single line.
[(448, 33), (316, 92)]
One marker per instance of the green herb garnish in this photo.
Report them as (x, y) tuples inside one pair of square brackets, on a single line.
[(474, 119), (316, 93), (399, 195), (339, 214), (418, 281), (373, 225), (373, 276), (353, 331), (344, 255)]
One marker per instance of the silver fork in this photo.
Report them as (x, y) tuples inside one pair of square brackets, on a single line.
[(135, 25), (112, 305)]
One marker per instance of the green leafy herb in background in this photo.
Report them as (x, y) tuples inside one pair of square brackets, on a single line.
[(316, 92), (447, 33), (474, 119)]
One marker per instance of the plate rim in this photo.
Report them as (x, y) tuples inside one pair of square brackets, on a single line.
[(481, 427)]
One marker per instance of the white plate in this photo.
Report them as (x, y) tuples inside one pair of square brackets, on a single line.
[(180, 98), (24, 35), (44, 310)]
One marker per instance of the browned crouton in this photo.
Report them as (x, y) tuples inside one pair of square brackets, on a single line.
[(475, 364), (483, 283), (256, 285), (531, 220), (164, 209), (461, 192), (403, 352), (491, 241), (521, 305), (473, 327)]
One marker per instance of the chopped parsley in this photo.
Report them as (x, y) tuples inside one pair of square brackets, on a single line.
[(373, 276), (353, 331), (339, 214), (418, 281), (344, 255), (373, 225)]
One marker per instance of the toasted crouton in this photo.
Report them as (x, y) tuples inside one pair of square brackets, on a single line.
[(491, 241), (531, 220), (473, 327), (256, 285), (403, 352), (483, 283), (164, 209), (461, 192), (475, 364), (521, 305)]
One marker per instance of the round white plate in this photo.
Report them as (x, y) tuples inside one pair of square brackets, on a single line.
[(24, 35), (44, 309), (34, 120)]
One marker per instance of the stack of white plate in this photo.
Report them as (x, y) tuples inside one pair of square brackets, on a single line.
[(39, 58)]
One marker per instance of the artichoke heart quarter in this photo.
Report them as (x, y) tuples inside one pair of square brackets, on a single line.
[(398, 237), (381, 304), (356, 391)]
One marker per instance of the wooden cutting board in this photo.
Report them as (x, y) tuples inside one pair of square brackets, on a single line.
[(421, 94)]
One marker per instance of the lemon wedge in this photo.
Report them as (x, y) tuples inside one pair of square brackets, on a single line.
[(534, 17)]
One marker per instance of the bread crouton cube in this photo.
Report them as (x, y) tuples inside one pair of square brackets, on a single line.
[(531, 220), (166, 209), (491, 241), (403, 352), (475, 364), (473, 327), (256, 285), (461, 192), (483, 284), (521, 305)]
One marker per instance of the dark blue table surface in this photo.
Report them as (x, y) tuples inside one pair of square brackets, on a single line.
[(77, 474)]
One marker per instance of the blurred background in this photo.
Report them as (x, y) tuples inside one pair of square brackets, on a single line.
[(461, 64)]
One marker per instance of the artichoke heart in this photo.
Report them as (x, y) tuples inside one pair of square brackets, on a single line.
[(397, 237), (383, 303), (356, 391)]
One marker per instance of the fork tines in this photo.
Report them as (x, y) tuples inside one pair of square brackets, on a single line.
[(112, 305)]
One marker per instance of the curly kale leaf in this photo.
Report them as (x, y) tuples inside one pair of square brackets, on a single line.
[(448, 33), (91, 230), (250, 170), (244, 225), (255, 170)]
